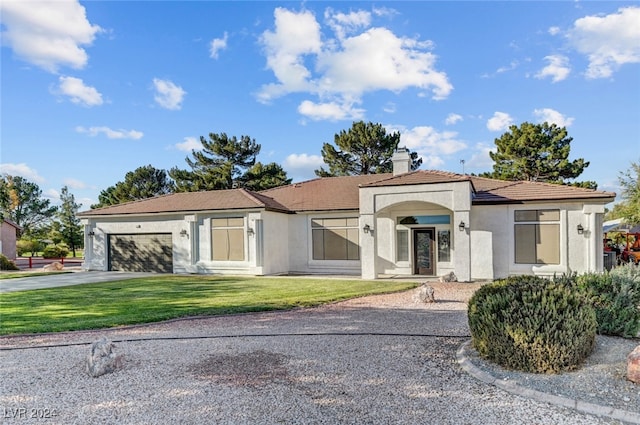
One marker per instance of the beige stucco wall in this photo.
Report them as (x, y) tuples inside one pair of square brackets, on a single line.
[(8, 240)]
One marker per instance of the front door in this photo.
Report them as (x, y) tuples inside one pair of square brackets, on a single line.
[(423, 251)]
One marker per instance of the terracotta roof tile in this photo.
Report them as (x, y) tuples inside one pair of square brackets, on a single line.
[(490, 191), (342, 193), (323, 194), (191, 201), (418, 177)]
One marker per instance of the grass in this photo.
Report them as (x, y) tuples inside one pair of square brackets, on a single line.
[(17, 274), (156, 298)]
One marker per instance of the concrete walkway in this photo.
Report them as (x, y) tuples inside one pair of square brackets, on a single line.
[(64, 279)]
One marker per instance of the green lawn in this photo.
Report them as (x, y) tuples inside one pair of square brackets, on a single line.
[(156, 298)]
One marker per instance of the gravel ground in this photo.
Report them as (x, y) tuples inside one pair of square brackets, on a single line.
[(374, 360)]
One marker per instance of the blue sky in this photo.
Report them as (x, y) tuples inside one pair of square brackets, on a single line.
[(92, 90)]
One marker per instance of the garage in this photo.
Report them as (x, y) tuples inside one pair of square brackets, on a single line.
[(148, 252)]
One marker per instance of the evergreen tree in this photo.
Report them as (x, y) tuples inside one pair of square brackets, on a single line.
[(70, 227), (629, 207), (536, 152), (365, 148), (226, 163), (145, 182)]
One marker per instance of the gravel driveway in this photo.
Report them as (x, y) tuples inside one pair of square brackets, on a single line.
[(376, 360)]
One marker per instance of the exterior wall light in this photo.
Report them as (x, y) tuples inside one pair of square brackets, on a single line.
[(183, 232), (91, 233), (580, 229), (462, 226), (367, 229), (250, 231)]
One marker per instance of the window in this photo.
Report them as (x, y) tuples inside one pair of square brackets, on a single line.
[(425, 219), (227, 239), (335, 238), (537, 236), (402, 245), (444, 245)]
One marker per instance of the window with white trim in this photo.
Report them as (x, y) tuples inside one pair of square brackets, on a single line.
[(227, 241), (335, 238), (537, 236)]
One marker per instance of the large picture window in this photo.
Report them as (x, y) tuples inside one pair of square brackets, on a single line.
[(227, 239), (537, 236), (335, 238)]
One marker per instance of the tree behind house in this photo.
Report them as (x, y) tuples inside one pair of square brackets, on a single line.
[(70, 227), (226, 163), (365, 148), (142, 183), (21, 202), (537, 152)]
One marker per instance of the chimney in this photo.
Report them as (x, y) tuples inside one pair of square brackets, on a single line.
[(401, 161)]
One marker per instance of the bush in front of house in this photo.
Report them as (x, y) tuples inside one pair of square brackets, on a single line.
[(531, 324), (6, 264), (615, 296), (55, 251)]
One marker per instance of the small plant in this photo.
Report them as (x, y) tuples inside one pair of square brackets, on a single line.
[(6, 264), (531, 324)]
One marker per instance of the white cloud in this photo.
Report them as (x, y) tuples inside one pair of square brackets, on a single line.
[(552, 117), (453, 119), (78, 92), (347, 23), (189, 144), (48, 34), (360, 59), (218, 44), (22, 170), (430, 144), (389, 108), (512, 65), (111, 134), (480, 158), (608, 41), (329, 111), (74, 183), (52, 194), (168, 95), (303, 161), (554, 30), (558, 68), (500, 121)]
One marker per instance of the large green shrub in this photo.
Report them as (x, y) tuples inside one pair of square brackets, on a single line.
[(531, 324), (6, 264), (55, 251), (615, 296)]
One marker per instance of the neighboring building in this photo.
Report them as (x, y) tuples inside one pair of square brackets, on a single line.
[(406, 223), (8, 237)]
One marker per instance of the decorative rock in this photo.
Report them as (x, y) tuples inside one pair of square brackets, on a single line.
[(633, 365), (451, 277), (53, 267), (425, 294), (102, 359)]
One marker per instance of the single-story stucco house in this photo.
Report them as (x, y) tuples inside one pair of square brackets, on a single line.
[(8, 237), (404, 223)]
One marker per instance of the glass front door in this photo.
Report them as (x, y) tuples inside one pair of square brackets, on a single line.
[(423, 251)]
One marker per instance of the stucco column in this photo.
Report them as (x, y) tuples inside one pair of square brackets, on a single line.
[(462, 246), (368, 254)]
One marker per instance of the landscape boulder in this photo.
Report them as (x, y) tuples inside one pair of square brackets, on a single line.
[(103, 359), (633, 365), (425, 294)]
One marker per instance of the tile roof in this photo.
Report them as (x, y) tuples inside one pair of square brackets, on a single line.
[(490, 191), (192, 201), (418, 177), (342, 193), (323, 194)]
